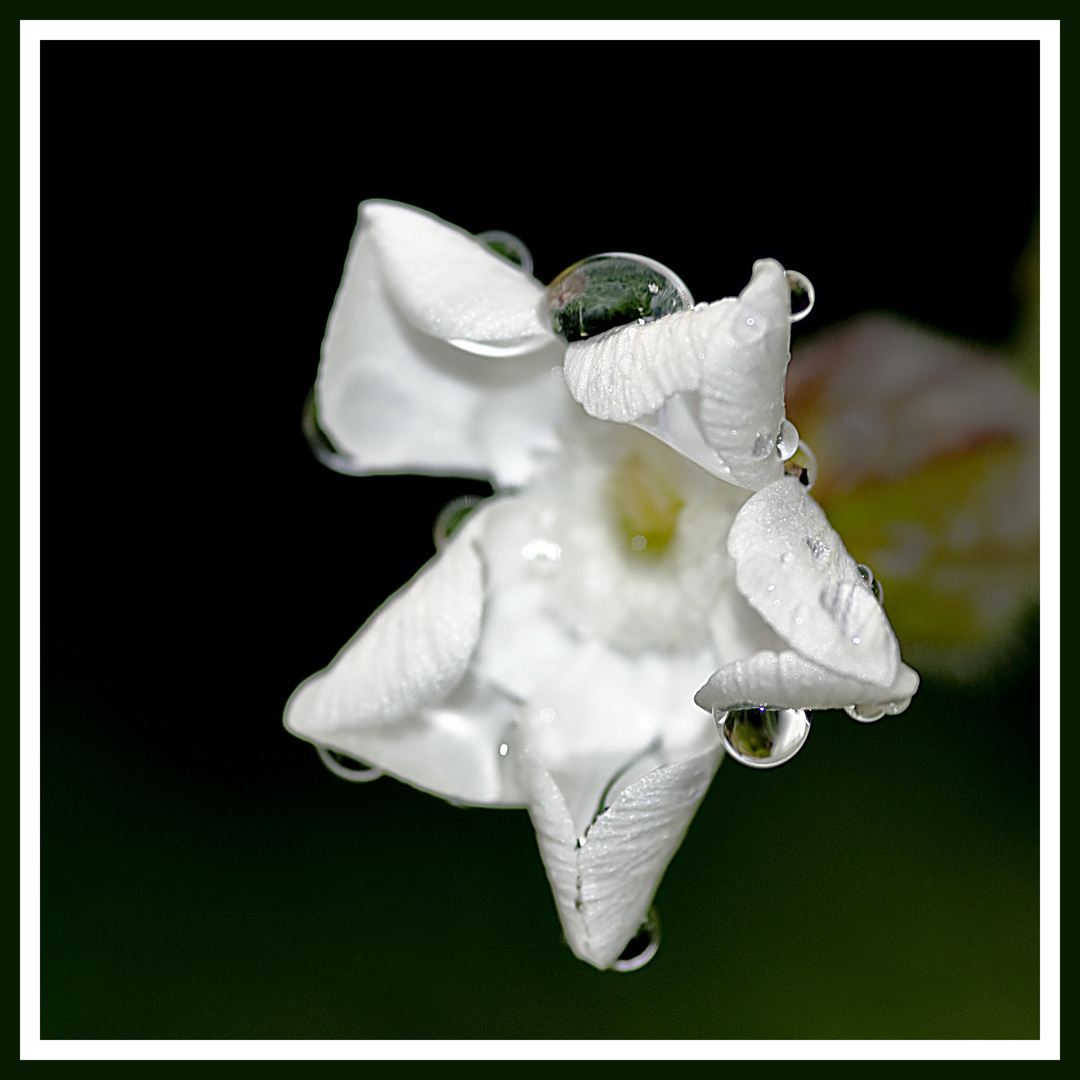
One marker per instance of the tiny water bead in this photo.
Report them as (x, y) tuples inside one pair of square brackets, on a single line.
[(875, 586), (641, 948), (762, 737), (605, 291), (802, 292), (321, 444), (451, 516), (509, 247), (358, 772), (802, 465)]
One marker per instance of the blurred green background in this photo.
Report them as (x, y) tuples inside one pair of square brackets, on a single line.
[(202, 875)]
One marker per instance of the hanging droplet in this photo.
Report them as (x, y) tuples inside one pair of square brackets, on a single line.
[(609, 290), (875, 586), (641, 948), (346, 767), (787, 442), (865, 714), (802, 465), (451, 516), (802, 295), (321, 444), (762, 737), (509, 247)]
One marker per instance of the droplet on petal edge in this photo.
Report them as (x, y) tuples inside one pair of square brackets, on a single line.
[(451, 516), (802, 465), (760, 736), (875, 586), (865, 714), (613, 289), (787, 442), (321, 445), (509, 247), (800, 287), (642, 947), (346, 767)]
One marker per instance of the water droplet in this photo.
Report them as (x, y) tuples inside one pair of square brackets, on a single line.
[(800, 288), (641, 948), (509, 247), (639, 543), (547, 715), (865, 714), (609, 290), (875, 586), (787, 442), (504, 749), (802, 465), (818, 548), (544, 556), (348, 768), (760, 736), (322, 446), (451, 516)]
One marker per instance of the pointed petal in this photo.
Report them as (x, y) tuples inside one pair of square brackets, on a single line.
[(742, 388), (393, 399), (453, 287), (793, 569), (603, 886), (412, 652), (787, 680)]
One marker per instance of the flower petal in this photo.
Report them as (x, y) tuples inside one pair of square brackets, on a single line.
[(626, 373), (398, 697), (391, 398), (787, 680), (604, 883), (451, 286), (742, 388), (793, 569)]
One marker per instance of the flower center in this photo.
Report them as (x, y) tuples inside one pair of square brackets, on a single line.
[(647, 501)]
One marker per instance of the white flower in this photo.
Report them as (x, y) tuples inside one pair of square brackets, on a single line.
[(548, 656)]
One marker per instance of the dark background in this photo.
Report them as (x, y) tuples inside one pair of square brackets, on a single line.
[(202, 875)]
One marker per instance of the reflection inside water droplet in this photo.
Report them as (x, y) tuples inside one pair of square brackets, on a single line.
[(605, 291), (346, 767), (761, 737), (641, 948)]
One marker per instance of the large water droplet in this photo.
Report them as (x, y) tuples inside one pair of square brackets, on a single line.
[(787, 442), (802, 465), (641, 948), (762, 737), (346, 767), (451, 516), (509, 247), (609, 290)]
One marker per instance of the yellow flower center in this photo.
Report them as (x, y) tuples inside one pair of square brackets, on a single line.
[(647, 502)]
